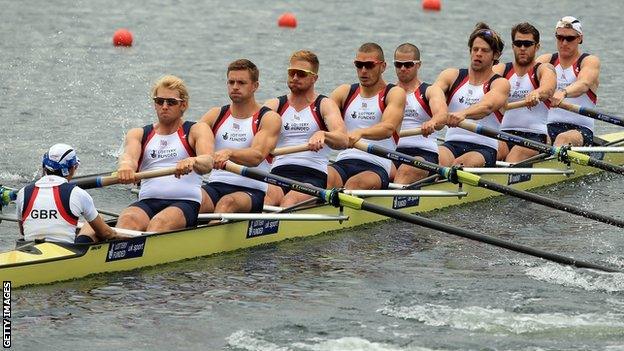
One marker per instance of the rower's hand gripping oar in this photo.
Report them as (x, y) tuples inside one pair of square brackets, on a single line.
[(337, 198), (418, 131), (563, 153), (591, 113), (456, 175), (101, 181)]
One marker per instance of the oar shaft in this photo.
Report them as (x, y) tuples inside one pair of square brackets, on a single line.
[(568, 155), (591, 113), (475, 180), (468, 234), (360, 204), (99, 181)]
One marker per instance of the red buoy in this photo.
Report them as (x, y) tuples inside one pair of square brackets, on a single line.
[(431, 5), (122, 37), (287, 19)]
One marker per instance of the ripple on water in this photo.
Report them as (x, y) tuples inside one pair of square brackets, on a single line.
[(589, 280)]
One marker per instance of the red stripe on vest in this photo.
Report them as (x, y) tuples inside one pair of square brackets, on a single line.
[(254, 122), (284, 108), (422, 103), (227, 114), (147, 140), (532, 75), (356, 93), (30, 204), (59, 206), (381, 99), (464, 81), (185, 143), (510, 73), (317, 116)]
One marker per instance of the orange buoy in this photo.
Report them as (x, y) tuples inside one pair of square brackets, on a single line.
[(122, 37), (431, 5), (287, 19)]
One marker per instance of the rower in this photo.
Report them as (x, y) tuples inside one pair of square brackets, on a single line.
[(306, 117), (170, 202), (246, 132), (425, 108), (475, 93), (577, 82), (534, 83), (372, 111), (49, 208)]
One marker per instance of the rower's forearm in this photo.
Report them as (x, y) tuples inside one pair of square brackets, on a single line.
[(545, 93), (480, 110), (247, 157), (577, 89), (128, 161), (378, 131), (336, 140)]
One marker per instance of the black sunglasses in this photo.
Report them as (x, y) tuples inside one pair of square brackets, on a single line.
[(366, 64), (523, 43), (170, 101), (568, 38), (406, 64)]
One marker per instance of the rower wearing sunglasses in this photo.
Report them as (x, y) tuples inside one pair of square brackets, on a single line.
[(425, 108), (532, 82), (577, 82), (372, 111), (306, 117), (245, 133), (475, 93), (170, 202)]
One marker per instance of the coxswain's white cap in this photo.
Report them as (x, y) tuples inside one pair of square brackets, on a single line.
[(570, 22), (60, 157)]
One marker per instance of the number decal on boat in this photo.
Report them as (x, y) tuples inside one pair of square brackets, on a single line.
[(405, 201), (518, 178), (121, 250), (259, 227)]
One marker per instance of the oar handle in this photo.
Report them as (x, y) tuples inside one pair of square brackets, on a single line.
[(290, 149), (416, 131), (99, 181)]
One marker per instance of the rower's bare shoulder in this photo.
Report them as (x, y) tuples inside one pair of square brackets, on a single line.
[(273, 104), (591, 61), (545, 58), (396, 93), (210, 116), (499, 68)]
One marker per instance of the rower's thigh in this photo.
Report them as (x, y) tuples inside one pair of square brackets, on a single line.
[(470, 159), (333, 178), (274, 195), (446, 156), (133, 218), (206, 205), (409, 174), (573, 137), (519, 153), (234, 202), (365, 180), (170, 218), (293, 197), (503, 151)]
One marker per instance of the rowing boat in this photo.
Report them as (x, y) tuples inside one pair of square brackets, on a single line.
[(47, 262)]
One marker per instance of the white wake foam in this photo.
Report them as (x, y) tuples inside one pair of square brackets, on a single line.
[(500, 321), (584, 279)]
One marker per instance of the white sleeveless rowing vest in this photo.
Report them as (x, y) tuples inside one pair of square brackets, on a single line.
[(566, 77), (417, 112), (163, 151), (297, 128), (237, 133), (360, 112), (463, 95), (49, 209), (524, 119)]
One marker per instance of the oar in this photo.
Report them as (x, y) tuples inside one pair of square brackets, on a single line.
[(459, 176), (418, 131), (563, 153), (101, 181), (591, 113), (337, 198)]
